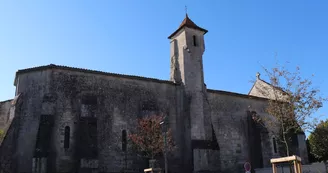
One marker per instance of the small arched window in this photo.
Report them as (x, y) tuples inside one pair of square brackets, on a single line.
[(194, 39), (124, 142), (67, 136), (274, 143)]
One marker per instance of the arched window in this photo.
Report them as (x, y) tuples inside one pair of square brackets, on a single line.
[(124, 140), (67, 136), (194, 39), (274, 142)]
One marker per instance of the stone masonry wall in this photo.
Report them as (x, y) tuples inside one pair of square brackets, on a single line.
[(8, 146), (4, 113), (229, 117), (120, 101), (265, 90), (10, 127), (33, 86)]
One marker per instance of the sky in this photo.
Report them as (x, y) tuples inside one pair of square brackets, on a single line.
[(130, 37)]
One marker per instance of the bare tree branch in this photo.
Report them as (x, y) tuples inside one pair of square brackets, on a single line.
[(292, 102)]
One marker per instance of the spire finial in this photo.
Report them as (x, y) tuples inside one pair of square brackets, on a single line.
[(186, 10)]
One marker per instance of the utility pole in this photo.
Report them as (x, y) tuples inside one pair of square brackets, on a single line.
[(164, 123)]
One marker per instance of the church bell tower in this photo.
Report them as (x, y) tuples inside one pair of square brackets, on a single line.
[(187, 48)]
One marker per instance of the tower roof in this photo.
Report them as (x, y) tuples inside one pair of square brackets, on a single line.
[(187, 22)]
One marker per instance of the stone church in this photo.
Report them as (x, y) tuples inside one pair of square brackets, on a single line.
[(72, 120)]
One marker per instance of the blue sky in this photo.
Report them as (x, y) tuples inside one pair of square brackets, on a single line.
[(130, 37)]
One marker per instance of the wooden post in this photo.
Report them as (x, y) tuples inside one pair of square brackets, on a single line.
[(295, 166), (294, 159), (300, 166), (274, 168)]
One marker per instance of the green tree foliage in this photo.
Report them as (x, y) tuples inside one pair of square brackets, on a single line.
[(318, 141), (310, 155)]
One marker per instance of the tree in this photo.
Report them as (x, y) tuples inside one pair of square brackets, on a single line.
[(292, 102), (311, 156), (149, 138), (318, 141)]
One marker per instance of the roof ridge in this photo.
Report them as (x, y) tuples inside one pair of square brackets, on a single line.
[(236, 94), (51, 66), (9, 100)]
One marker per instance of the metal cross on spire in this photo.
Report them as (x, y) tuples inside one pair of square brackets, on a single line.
[(186, 10), (258, 75)]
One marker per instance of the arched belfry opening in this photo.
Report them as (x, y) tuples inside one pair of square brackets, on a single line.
[(194, 40)]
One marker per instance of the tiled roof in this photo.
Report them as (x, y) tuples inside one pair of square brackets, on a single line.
[(187, 22), (53, 66), (236, 94), (6, 101), (60, 67)]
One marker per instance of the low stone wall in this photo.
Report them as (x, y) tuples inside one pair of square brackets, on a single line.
[(311, 168)]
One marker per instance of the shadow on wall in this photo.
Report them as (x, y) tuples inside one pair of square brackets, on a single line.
[(8, 147)]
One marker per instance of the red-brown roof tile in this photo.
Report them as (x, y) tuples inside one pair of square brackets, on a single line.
[(187, 22)]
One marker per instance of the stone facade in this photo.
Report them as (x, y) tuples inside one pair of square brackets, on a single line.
[(263, 89), (72, 120)]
